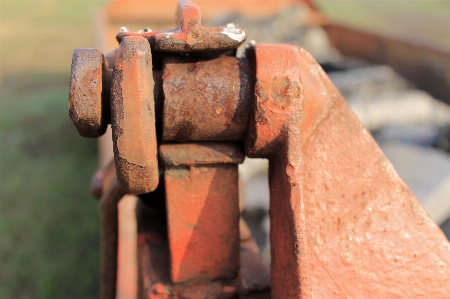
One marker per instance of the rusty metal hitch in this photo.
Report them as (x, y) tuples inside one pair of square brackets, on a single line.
[(343, 224)]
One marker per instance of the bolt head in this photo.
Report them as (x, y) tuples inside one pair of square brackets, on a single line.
[(87, 100)]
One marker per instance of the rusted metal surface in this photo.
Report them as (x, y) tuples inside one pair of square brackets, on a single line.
[(88, 95), (339, 213), (110, 196), (426, 66), (216, 91), (133, 117), (203, 219), (190, 36), (273, 133)]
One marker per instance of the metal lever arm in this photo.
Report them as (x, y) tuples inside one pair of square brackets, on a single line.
[(133, 117)]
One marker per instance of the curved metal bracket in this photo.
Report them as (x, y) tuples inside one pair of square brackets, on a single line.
[(343, 223)]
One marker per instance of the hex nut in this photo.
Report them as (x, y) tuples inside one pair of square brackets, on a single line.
[(88, 100)]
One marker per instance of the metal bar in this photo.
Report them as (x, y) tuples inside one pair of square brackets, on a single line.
[(111, 194), (203, 218), (153, 246), (426, 66), (217, 91)]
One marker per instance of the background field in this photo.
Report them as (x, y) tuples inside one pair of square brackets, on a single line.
[(426, 21), (48, 220)]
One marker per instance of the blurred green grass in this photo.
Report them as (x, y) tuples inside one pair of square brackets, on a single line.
[(48, 220)]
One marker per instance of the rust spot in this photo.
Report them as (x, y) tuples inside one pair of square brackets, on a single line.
[(284, 91)]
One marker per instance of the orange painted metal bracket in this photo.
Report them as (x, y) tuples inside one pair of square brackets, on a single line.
[(343, 224)]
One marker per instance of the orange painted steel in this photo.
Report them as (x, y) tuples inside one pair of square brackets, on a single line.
[(133, 117), (343, 224), (274, 132), (201, 182)]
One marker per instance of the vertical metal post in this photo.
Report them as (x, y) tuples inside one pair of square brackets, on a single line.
[(202, 201)]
